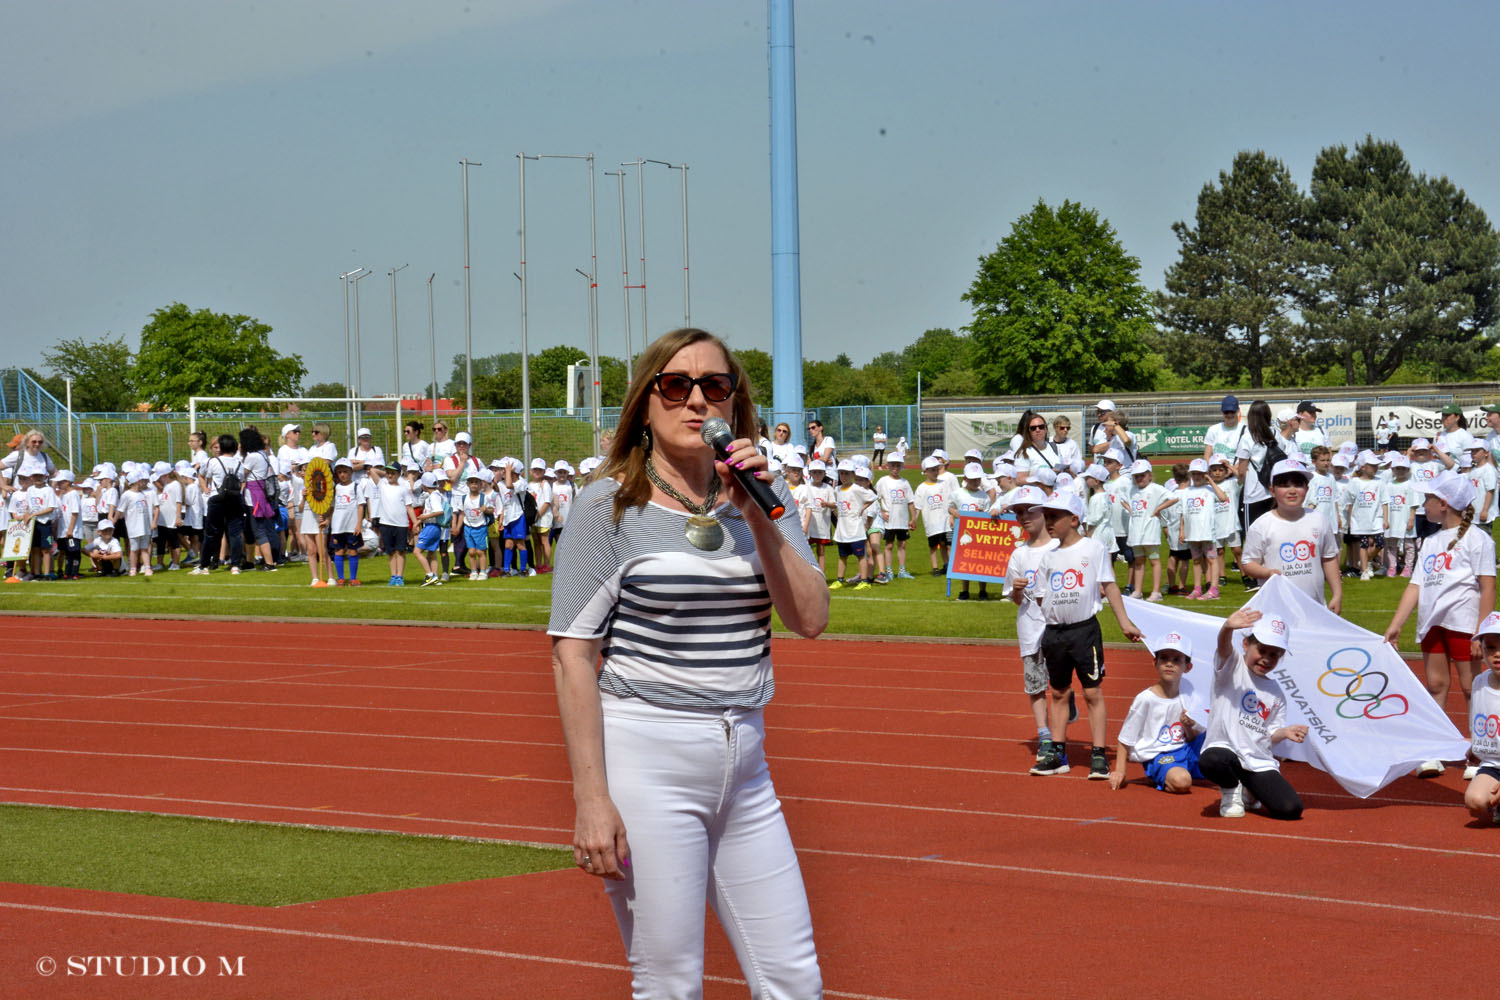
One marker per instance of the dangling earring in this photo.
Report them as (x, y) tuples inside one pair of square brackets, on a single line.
[(646, 439)]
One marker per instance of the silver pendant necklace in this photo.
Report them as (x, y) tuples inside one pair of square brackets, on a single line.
[(703, 531)]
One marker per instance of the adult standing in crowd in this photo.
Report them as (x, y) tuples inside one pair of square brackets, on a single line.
[(1224, 438), (365, 455), (461, 463), (291, 442), (322, 447), (226, 506), (877, 446), (261, 514), (28, 458), (1308, 434), (1492, 436), (1069, 455), (443, 446), (198, 455), (414, 451), (1454, 439), (782, 448), (1288, 423), (1388, 432), (1033, 451), (822, 445), (674, 800), (1108, 436), (1251, 457)]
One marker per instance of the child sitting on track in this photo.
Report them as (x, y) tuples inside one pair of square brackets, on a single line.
[(1483, 794), (1072, 581), (1247, 714), (1157, 731)]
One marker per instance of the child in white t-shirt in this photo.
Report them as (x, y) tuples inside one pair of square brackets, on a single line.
[(430, 526), (105, 551), (816, 501), (1452, 589), (1483, 794), (1200, 528), (1247, 715), (473, 510), (1030, 622), (1482, 474), (1293, 542), (1322, 488), (69, 524), (1226, 515), (970, 498), (1401, 500), (1178, 556), (346, 523), (1098, 508), (1146, 499), (854, 510), (1365, 513), (898, 510), (138, 518), (1157, 731), (931, 498)]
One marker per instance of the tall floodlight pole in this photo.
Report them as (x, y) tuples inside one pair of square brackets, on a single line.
[(786, 276), (432, 344), (687, 312), (359, 375), (619, 176), (468, 305), (521, 158), (348, 350), (640, 211), (395, 340)]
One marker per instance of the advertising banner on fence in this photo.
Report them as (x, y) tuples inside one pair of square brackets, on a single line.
[(1369, 720), (981, 546), (991, 432), (1417, 422)]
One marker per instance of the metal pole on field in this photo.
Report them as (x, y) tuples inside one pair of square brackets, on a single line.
[(359, 377), (786, 273), (619, 176), (395, 340), (432, 344), (348, 356), (687, 308), (521, 158), (70, 422), (640, 209), (468, 306)]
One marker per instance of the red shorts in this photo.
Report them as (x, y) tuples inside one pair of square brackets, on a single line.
[(1445, 640)]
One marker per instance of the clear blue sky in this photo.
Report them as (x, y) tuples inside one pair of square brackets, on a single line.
[(240, 156)]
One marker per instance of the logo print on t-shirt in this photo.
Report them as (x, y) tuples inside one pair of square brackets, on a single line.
[(1486, 725), (1437, 562), (1067, 580), (1296, 551), (1252, 705)]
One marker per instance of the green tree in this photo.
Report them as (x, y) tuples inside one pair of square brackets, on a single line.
[(759, 370), (1059, 307), (1401, 265), (102, 373), (488, 365), (1228, 298), (185, 353), (326, 390)]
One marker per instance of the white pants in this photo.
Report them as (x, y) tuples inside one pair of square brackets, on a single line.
[(704, 823)]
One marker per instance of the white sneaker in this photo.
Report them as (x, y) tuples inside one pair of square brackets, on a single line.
[(1232, 802), (1471, 772), (1368, 574), (1429, 769)]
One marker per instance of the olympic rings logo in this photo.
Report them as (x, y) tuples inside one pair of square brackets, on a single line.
[(1296, 551), (1251, 705), (1437, 561), (1067, 580), (1359, 682), (1486, 726)]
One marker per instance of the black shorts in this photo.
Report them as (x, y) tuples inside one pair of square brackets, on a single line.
[(186, 532), (41, 535), (392, 538), (166, 540), (898, 534), (1182, 555), (1490, 772), (346, 541), (1075, 648), (941, 538)]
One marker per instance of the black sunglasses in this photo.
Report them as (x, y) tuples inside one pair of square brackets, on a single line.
[(676, 387), (1037, 427)]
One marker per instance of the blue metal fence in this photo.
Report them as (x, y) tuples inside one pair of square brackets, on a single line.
[(25, 406)]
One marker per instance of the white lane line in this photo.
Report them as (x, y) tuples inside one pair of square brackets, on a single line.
[(1299, 897), (456, 949), (182, 702), (1223, 831)]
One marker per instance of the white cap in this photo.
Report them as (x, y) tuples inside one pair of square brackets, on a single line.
[(515, 463), (941, 455), (1490, 625), (973, 470), (860, 461), (549, 473), (1454, 490), (407, 465), (975, 454), (1367, 457), (794, 461), (1067, 501), (137, 476), (1064, 480), (817, 465), (1142, 466), (1271, 630), (930, 462), (108, 471), (588, 465), (183, 468), (1217, 460), (1421, 444), (343, 463), (1026, 496), (1105, 404), (288, 428), (1340, 461), (1286, 415), (1289, 467), (538, 463), (106, 525), (63, 476), (283, 466), (462, 437), (562, 463), (88, 484), (1465, 461), (845, 465), (302, 457), (160, 469), (800, 449), (486, 476), (1198, 465), (1170, 640), (898, 457), (1045, 476), (1096, 471), (499, 463), (363, 432), (1399, 461), (774, 467), (429, 480)]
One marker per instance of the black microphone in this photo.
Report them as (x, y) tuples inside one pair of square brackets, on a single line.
[(718, 436)]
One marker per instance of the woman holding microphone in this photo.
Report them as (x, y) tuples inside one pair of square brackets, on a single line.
[(669, 560)]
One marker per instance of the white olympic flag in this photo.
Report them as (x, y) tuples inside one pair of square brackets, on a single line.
[(1369, 719)]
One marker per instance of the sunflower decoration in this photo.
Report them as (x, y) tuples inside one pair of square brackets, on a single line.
[(319, 479)]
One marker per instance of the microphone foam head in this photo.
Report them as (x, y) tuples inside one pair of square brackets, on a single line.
[(714, 428)]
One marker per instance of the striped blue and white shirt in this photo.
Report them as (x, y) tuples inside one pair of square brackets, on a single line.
[(680, 627)]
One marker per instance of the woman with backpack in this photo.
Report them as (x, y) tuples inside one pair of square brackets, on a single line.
[(1257, 454), (219, 479), (262, 504)]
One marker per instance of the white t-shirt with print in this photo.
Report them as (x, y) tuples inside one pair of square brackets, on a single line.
[(1198, 517), (1068, 580), (1030, 621), (895, 495), (854, 503), (344, 519), (1244, 710), (1153, 726), (819, 502), (1366, 500), (1401, 503), (1142, 526), (1296, 548), (1484, 720), (1449, 579)]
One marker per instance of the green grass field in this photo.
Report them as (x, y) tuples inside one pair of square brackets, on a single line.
[(259, 864), (919, 607)]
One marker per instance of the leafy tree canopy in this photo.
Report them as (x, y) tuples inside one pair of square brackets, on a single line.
[(103, 373), (186, 353)]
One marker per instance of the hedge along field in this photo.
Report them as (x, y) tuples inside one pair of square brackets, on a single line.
[(164, 437)]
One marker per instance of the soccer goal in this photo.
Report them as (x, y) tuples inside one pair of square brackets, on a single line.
[(344, 415)]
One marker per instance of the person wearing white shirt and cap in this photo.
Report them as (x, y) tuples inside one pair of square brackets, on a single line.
[(322, 447), (1308, 434), (457, 465), (364, 455), (541, 527), (1109, 436), (291, 441)]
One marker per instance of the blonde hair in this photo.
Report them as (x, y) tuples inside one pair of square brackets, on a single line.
[(1463, 526), (626, 460)]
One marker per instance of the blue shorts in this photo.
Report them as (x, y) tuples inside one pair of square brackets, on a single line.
[(515, 530), (1185, 756), (847, 549), (429, 537), (476, 538)]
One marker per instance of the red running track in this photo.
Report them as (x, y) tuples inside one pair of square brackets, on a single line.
[(936, 867)]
